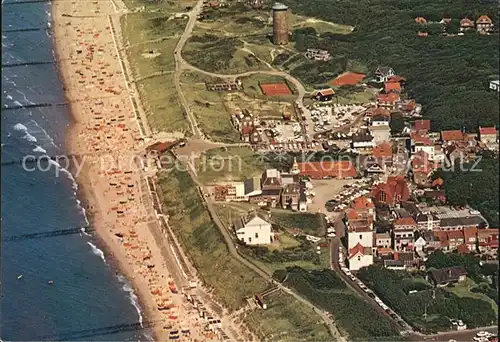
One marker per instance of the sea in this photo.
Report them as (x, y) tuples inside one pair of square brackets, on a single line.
[(54, 286)]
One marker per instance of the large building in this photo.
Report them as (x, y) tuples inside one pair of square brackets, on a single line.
[(280, 24)]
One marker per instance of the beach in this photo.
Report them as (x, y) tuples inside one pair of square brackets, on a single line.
[(107, 138)]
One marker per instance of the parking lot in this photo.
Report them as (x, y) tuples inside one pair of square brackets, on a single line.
[(347, 194), (332, 117)]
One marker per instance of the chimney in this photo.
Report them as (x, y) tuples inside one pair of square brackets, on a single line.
[(449, 273)]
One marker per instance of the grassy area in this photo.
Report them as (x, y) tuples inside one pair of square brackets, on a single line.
[(224, 55), (309, 223), (322, 26), (355, 98), (162, 105), (149, 38), (143, 27), (150, 58), (297, 323), (208, 107), (201, 238), (228, 164), (169, 6), (351, 313), (464, 290)]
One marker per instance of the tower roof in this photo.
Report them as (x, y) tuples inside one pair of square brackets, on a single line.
[(278, 6)]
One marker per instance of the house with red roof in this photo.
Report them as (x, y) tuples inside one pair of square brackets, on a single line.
[(488, 135), (420, 20), (484, 24), (392, 87), (388, 101), (422, 143), (421, 127), (453, 136), (382, 154), (393, 191), (364, 205), (466, 24), (470, 238), (488, 240), (323, 95), (343, 169), (359, 257), (455, 238), (422, 169)]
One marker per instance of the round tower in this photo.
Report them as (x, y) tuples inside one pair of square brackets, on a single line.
[(280, 24)]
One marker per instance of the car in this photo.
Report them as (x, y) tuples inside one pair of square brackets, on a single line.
[(483, 334)]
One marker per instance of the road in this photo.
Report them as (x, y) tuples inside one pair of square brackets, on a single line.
[(180, 65)]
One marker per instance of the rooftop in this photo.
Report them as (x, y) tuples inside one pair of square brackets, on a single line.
[(278, 6)]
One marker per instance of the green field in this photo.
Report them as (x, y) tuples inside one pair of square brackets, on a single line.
[(168, 6), (287, 320), (149, 38), (228, 164), (464, 290), (208, 107), (162, 105), (309, 223)]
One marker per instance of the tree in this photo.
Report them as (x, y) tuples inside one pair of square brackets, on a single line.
[(300, 42)]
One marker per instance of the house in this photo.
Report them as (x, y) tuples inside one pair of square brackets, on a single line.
[(392, 87), (403, 233), (455, 238), (394, 190), (383, 240), (290, 196), (359, 235), (420, 20), (388, 101), (466, 24), (343, 169), (421, 169), (495, 85), (458, 223), (488, 135), (253, 229), (408, 258), (427, 222), (484, 24), (362, 140), (252, 187), (267, 197), (452, 136), (420, 244), (488, 240), (470, 238), (398, 79), (421, 127), (383, 155), (432, 242), (434, 196), (318, 55), (364, 205), (383, 73), (271, 179), (445, 21), (381, 120), (395, 265), (448, 275), (359, 257), (323, 95), (380, 133)]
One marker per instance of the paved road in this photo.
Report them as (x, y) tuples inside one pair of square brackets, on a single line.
[(180, 65)]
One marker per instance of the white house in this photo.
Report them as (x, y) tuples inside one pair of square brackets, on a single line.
[(420, 244), (383, 73), (495, 85), (253, 229), (359, 257), (359, 245), (380, 133)]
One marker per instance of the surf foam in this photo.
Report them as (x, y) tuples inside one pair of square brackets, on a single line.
[(132, 296), (97, 251)]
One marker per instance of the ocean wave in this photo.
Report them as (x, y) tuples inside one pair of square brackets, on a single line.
[(84, 231), (47, 136), (39, 149), (9, 97), (84, 212), (20, 127), (97, 251), (132, 296), (24, 97), (70, 176)]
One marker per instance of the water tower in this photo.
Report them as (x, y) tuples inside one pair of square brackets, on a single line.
[(280, 24)]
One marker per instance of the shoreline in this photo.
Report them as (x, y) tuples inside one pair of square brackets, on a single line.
[(91, 186)]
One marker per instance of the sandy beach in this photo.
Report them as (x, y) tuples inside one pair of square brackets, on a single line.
[(107, 136)]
